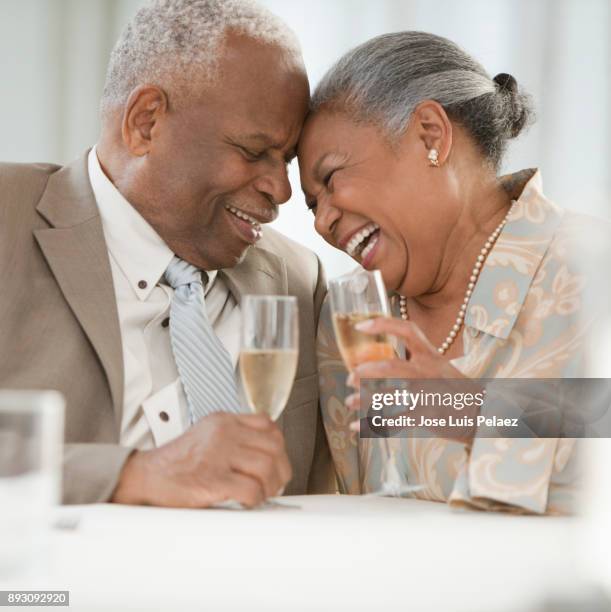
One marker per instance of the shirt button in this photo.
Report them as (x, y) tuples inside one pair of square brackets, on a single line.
[(142, 284), (165, 322), (164, 416)]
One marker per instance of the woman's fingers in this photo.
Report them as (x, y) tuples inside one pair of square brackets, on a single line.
[(409, 332), (353, 402), (415, 341), (394, 368)]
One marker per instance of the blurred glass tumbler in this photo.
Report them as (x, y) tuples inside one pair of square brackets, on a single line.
[(31, 434)]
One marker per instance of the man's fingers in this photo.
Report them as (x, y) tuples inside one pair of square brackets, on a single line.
[(227, 423), (246, 490), (272, 472), (239, 457), (255, 430), (262, 422), (270, 442)]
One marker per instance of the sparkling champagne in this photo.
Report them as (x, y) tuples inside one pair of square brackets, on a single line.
[(358, 347), (267, 375)]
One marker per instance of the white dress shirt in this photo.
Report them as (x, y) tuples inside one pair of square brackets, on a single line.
[(154, 403)]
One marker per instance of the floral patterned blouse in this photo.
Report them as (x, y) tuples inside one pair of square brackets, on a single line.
[(528, 317)]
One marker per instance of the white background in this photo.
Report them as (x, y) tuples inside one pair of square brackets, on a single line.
[(53, 56)]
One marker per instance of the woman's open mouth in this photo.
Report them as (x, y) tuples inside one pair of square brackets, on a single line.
[(362, 245)]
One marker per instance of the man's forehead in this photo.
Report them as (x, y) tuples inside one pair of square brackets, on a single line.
[(266, 121), (247, 55), (257, 95)]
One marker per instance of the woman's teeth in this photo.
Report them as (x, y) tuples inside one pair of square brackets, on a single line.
[(244, 216), (356, 242), (369, 247)]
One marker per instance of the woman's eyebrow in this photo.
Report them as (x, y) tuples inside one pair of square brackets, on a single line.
[(315, 173), (334, 155), (318, 164), (317, 168)]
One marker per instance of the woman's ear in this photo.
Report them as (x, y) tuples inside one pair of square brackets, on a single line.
[(434, 130), (146, 106)]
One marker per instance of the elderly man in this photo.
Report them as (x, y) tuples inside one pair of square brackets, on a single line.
[(122, 273)]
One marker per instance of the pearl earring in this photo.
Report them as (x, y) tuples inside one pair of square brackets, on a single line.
[(433, 158)]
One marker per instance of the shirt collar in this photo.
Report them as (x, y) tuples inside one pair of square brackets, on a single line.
[(513, 261)]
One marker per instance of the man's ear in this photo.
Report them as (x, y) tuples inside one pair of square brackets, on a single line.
[(146, 106), (433, 128)]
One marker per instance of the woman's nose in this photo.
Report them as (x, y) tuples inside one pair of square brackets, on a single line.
[(326, 220)]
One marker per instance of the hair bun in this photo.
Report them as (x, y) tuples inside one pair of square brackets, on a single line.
[(506, 83)]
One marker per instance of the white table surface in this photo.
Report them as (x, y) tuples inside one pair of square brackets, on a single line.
[(330, 553)]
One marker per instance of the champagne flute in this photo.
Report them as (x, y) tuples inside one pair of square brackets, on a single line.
[(268, 356), (269, 351), (356, 297)]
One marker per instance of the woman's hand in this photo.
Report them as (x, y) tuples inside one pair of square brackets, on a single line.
[(422, 361)]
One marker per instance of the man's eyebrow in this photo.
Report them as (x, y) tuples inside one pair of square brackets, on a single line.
[(259, 138), (265, 140)]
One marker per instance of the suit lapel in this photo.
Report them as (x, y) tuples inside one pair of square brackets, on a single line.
[(76, 252), (261, 272)]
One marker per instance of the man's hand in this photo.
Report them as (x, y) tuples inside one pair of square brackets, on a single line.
[(224, 456)]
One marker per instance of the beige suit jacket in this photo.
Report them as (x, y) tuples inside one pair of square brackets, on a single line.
[(59, 327)]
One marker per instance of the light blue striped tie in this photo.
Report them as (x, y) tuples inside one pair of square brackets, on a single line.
[(203, 362)]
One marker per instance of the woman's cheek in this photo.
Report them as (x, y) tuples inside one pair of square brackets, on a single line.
[(347, 195)]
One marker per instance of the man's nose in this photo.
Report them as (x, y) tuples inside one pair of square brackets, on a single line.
[(275, 185)]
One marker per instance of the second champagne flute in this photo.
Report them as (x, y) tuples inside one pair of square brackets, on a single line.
[(356, 297)]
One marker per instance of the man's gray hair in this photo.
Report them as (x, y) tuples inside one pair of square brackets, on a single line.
[(173, 42), (383, 80)]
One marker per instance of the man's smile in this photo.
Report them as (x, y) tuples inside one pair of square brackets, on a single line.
[(248, 227)]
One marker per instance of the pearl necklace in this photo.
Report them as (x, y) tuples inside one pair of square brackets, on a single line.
[(472, 280)]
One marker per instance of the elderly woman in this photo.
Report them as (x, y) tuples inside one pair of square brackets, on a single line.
[(399, 161)]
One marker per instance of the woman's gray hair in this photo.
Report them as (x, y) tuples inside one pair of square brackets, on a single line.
[(383, 80), (172, 43)]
